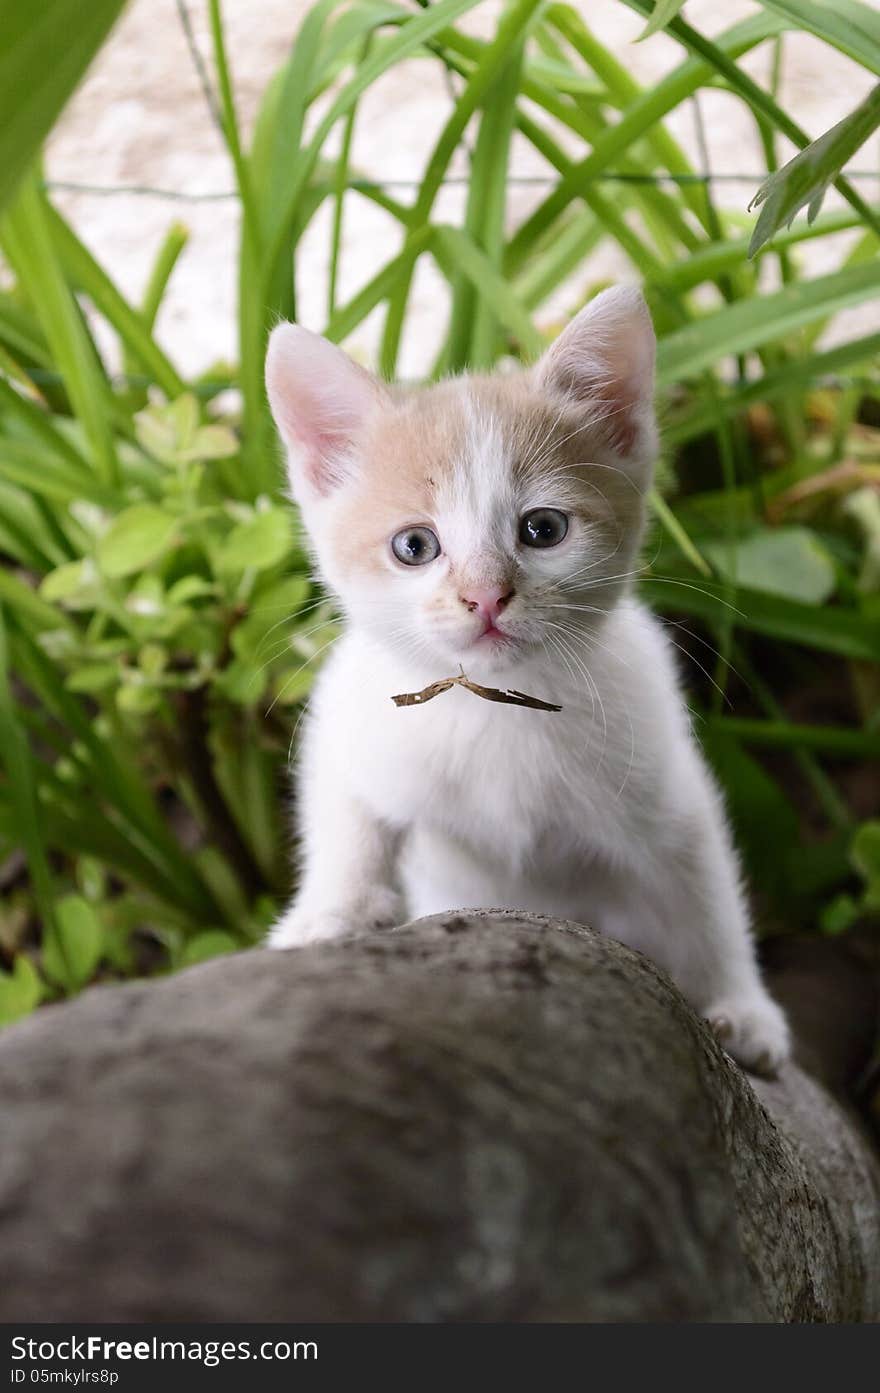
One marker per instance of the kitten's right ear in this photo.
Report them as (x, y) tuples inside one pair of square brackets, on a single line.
[(319, 400)]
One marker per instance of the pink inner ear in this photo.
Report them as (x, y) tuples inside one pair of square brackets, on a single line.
[(320, 400), (317, 448)]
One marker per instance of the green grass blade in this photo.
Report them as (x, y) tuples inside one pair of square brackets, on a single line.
[(26, 236), (473, 335), (250, 297), (250, 214), (278, 135), (829, 629), (35, 538), (38, 424), (486, 73), (23, 602), (349, 316), (748, 324), (635, 123), (454, 251), (46, 48), (796, 374), (661, 212), (719, 258), (551, 264), (174, 242), (340, 185), (84, 273), (847, 25), (21, 334), (31, 467), (760, 102), (409, 37), (607, 213), (785, 735), (678, 532), (17, 760), (664, 11)]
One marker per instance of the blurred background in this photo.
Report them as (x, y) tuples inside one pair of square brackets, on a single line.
[(141, 130)]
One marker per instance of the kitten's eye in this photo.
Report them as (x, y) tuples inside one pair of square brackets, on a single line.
[(415, 546), (543, 527)]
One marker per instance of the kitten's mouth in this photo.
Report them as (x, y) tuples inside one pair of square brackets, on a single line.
[(492, 635)]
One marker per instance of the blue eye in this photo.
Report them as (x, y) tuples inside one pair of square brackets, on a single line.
[(415, 546), (543, 527)]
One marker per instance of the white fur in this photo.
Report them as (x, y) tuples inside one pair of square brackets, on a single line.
[(603, 813)]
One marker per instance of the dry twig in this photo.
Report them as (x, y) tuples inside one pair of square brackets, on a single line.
[(509, 698)]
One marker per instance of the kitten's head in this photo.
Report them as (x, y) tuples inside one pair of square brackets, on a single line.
[(485, 517)]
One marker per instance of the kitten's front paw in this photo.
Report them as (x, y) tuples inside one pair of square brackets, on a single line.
[(754, 1030), (380, 908)]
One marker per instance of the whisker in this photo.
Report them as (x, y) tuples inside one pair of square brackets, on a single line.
[(596, 696), (289, 618), (287, 682), (587, 609), (677, 624), (724, 697), (596, 642), (670, 580)]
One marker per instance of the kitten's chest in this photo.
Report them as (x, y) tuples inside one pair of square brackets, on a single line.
[(503, 778)]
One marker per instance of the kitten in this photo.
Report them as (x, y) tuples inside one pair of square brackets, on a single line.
[(494, 522)]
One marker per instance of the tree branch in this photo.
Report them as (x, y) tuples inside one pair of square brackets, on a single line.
[(472, 1118)]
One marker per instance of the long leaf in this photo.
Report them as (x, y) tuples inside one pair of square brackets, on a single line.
[(830, 629), (410, 36), (636, 122), (26, 237), (279, 132), (751, 323), (480, 83), (38, 424), (454, 252), (760, 102), (664, 11), (474, 330), (805, 179), (625, 90), (717, 258), (46, 47), (851, 27), (347, 317), (167, 257), (795, 374), (84, 272), (128, 800), (17, 761), (785, 735)]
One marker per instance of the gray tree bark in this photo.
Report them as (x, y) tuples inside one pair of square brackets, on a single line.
[(471, 1118)]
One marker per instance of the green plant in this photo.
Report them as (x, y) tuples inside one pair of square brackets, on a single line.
[(38, 74), (158, 630)]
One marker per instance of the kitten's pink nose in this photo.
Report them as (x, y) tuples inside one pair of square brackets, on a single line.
[(488, 601)]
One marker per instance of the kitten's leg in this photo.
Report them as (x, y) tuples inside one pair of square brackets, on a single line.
[(689, 915), (722, 976), (347, 877), (726, 985)]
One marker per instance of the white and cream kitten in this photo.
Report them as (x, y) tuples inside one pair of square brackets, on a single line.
[(494, 523)]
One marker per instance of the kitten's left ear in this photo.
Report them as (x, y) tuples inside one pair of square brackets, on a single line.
[(320, 400), (604, 361)]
